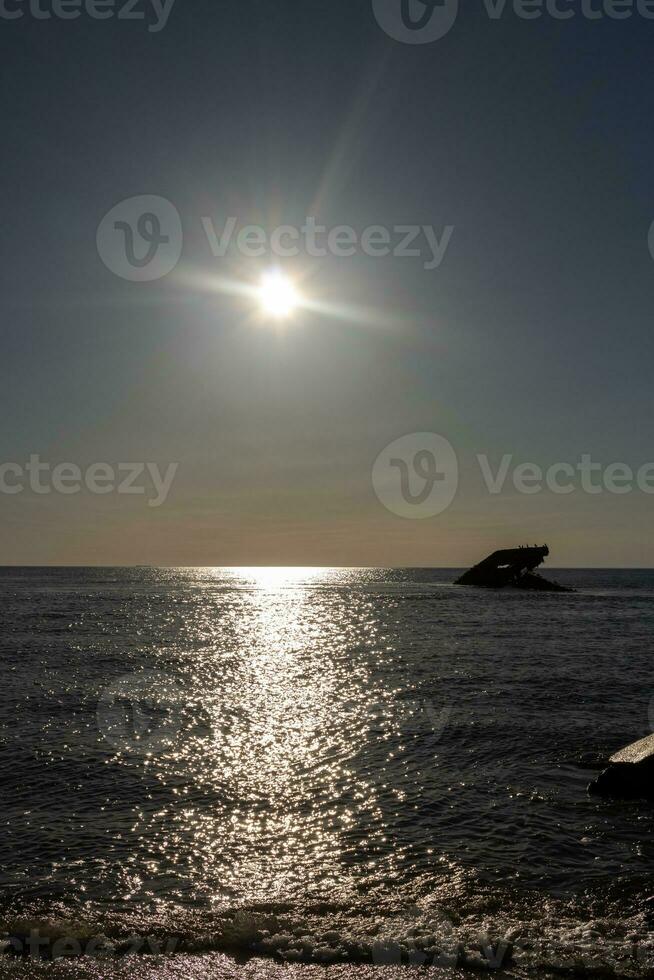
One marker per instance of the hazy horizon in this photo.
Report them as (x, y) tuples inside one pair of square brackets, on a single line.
[(443, 568)]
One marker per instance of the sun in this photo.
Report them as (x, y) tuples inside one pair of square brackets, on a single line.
[(278, 296)]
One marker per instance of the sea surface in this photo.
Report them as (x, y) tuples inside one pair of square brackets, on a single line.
[(217, 772)]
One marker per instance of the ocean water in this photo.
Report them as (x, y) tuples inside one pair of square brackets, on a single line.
[(361, 768)]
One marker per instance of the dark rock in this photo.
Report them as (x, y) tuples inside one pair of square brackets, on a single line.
[(630, 772)]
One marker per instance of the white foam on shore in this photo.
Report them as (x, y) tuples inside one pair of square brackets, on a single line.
[(430, 933)]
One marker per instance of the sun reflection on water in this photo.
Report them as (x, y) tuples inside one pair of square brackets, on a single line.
[(279, 577), (264, 795)]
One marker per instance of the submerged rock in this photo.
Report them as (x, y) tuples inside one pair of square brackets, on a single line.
[(513, 567), (630, 772)]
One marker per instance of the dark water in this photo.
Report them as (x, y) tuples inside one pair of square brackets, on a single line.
[(323, 764)]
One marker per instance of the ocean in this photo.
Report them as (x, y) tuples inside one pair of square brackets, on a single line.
[(246, 772)]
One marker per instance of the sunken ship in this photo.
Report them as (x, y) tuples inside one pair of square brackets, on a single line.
[(514, 567)]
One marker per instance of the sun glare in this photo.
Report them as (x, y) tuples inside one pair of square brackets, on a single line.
[(277, 295)]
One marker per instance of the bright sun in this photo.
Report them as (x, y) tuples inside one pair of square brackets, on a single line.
[(277, 295)]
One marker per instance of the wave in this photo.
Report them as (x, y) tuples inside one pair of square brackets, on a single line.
[(546, 938)]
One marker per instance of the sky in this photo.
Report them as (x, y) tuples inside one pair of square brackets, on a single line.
[(523, 146)]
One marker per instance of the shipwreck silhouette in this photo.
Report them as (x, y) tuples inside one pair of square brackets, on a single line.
[(513, 567)]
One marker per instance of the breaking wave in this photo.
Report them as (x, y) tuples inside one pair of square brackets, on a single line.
[(467, 924)]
